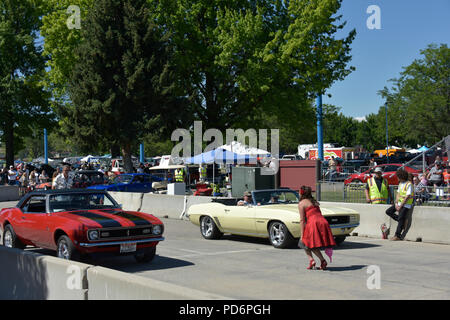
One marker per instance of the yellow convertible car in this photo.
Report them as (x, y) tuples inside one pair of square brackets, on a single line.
[(269, 214)]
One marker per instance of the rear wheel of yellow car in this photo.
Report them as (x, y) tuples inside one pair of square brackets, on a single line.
[(209, 229), (279, 235)]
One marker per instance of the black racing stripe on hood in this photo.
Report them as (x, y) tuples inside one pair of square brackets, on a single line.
[(138, 221), (105, 222)]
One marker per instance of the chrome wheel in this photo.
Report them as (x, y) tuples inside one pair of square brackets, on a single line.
[(8, 239), (207, 226), (277, 234), (63, 250)]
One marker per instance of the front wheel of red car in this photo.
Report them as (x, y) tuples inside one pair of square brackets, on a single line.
[(146, 256), (65, 249), (10, 239)]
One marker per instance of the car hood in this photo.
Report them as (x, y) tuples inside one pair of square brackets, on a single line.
[(293, 207), (109, 218)]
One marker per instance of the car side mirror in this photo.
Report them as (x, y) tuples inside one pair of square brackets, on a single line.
[(120, 206)]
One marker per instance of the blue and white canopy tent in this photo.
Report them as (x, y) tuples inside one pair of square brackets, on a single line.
[(220, 156)]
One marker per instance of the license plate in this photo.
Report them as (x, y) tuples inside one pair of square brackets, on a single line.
[(127, 247)]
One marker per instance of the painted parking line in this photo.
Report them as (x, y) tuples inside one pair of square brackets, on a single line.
[(200, 254)]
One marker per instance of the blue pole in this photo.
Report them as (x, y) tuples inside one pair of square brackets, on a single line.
[(387, 133), (45, 146), (142, 159), (319, 126)]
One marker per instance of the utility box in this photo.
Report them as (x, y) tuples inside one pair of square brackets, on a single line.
[(249, 179), (176, 189)]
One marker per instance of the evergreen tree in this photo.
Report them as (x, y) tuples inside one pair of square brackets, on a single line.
[(120, 87)]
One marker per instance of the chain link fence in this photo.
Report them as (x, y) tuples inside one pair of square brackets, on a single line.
[(355, 193)]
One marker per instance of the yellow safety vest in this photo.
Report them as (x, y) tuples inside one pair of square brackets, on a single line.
[(377, 196), (179, 175), (402, 194), (203, 172)]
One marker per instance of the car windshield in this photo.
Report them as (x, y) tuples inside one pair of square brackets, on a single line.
[(275, 197), (80, 201), (123, 178)]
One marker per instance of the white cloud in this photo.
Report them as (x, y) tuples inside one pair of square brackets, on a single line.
[(360, 119)]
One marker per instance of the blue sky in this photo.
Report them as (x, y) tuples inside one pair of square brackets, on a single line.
[(407, 26)]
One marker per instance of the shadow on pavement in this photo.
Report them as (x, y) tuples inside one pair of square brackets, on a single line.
[(129, 264), (348, 268), (125, 263), (355, 245)]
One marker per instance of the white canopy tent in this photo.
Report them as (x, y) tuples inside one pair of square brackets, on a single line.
[(243, 149)]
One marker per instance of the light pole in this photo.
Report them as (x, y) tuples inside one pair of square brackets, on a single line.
[(45, 147), (319, 115), (387, 132)]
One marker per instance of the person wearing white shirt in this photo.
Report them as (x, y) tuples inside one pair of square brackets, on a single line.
[(63, 180), (12, 175)]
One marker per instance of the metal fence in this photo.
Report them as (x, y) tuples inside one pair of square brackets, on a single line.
[(355, 193)]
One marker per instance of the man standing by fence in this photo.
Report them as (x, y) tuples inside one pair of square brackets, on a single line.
[(403, 203), (377, 188)]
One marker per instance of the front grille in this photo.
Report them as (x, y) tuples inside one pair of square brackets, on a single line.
[(124, 233), (338, 219)]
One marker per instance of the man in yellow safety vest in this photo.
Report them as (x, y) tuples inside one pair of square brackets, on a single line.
[(403, 203), (179, 175), (202, 173), (377, 188)]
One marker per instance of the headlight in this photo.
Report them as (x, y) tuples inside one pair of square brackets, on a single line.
[(157, 229), (93, 235), (353, 218)]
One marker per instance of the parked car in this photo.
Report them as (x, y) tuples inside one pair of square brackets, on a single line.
[(279, 220), (81, 179), (389, 171), (87, 178), (129, 182), (80, 222)]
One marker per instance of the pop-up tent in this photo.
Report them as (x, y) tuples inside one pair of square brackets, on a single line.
[(242, 149), (220, 156)]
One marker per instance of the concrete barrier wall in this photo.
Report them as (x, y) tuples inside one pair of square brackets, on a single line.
[(9, 193), (107, 284), (31, 276), (160, 205), (427, 224), (26, 275)]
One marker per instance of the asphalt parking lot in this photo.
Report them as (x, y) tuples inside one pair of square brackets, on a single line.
[(248, 268)]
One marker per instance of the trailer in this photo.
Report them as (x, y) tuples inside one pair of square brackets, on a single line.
[(345, 153)]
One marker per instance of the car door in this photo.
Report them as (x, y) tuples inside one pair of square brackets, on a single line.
[(147, 184), (135, 185), (35, 222), (239, 219)]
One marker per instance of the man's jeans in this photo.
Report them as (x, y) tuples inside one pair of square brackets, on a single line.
[(400, 218)]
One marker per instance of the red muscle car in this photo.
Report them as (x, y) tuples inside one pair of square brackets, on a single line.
[(389, 171), (80, 222)]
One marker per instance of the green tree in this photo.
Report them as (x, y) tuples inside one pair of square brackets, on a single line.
[(419, 101), (120, 86), (239, 60), (23, 101)]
